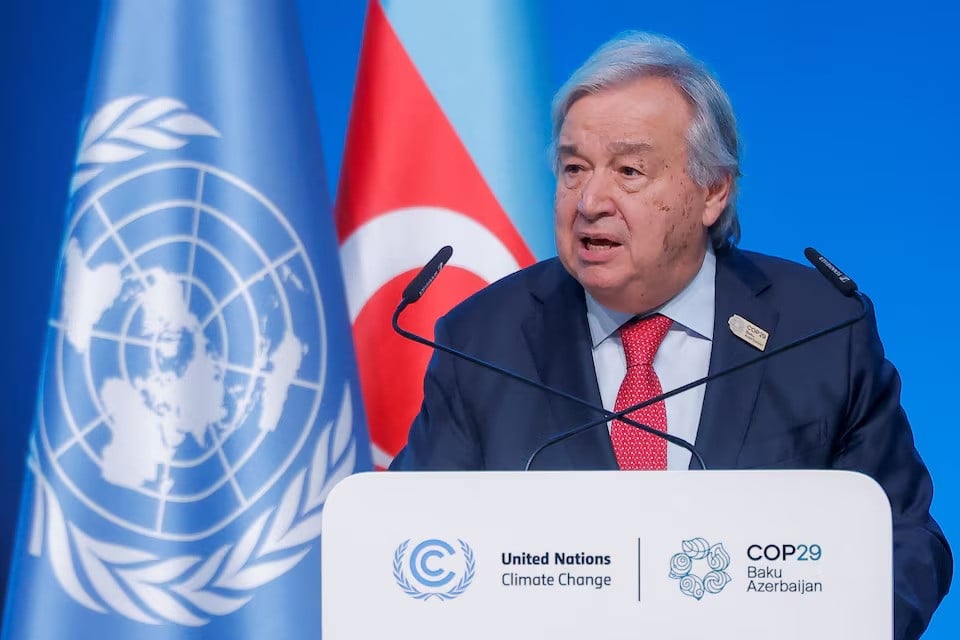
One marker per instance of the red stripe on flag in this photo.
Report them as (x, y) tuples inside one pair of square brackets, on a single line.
[(401, 149)]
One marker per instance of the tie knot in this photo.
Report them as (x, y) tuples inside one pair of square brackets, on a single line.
[(641, 338)]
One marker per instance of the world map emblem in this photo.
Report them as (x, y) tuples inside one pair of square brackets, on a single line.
[(185, 380)]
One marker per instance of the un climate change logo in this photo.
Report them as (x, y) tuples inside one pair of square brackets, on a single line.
[(698, 550), (436, 568), (184, 382)]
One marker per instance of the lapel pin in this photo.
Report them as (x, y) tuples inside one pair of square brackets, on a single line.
[(748, 332)]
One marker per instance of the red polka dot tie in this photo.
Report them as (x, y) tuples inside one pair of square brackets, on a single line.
[(635, 449)]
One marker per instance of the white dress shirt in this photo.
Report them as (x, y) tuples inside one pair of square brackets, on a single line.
[(684, 354)]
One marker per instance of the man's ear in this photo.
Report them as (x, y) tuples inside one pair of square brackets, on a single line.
[(717, 195)]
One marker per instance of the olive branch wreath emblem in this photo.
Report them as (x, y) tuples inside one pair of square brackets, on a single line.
[(400, 577), (217, 585), (128, 127)]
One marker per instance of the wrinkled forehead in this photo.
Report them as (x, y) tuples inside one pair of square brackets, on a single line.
[(631, 118)]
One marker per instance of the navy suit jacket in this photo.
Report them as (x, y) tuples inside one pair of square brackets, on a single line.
[(833, 403)]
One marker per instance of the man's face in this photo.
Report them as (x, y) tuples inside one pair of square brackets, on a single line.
[(630, 223)]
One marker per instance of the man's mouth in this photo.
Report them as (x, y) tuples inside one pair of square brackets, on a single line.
[(598, 244)]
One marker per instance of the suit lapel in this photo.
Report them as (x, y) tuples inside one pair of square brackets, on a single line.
[(560, 344), (728, 402)]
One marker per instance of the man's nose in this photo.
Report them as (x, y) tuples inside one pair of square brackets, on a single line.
[(595, 198)]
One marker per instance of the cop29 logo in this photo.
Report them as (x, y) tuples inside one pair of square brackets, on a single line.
[(434, 569), (698, 550)]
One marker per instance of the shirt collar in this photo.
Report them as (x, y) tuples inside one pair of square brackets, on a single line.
[(692, 308)]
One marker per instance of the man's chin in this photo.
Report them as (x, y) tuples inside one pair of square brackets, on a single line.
[(608, 292), (619, 295)]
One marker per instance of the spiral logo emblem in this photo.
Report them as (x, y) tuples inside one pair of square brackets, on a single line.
[(699, 551)]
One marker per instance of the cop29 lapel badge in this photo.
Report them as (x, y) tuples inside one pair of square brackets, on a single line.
[(748, 332)]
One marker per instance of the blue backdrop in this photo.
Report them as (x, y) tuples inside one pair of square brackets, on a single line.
[(847, 116)]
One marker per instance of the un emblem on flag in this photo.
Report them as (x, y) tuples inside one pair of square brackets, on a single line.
[(185, 382)]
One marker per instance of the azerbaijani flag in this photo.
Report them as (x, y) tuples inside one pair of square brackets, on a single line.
[(447, 144)]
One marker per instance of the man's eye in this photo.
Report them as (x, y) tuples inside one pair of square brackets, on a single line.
[(631, 172), (572, 168)]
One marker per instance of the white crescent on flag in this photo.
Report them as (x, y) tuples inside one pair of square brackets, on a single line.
[(476, 250)]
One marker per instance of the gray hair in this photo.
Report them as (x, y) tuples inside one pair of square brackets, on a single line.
[(712, 137)]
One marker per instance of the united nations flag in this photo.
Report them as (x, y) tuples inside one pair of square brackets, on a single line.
[(199, 397)]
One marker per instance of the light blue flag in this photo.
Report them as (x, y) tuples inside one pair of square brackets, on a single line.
[(199, 397)]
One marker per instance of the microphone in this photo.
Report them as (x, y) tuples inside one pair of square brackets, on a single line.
[(427, 275), (844, 284), (837, 278), (419, 285)]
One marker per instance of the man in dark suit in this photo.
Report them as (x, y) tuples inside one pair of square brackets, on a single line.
[(649, 292)]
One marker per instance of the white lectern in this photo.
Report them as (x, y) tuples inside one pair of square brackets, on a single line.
[(606, 555)]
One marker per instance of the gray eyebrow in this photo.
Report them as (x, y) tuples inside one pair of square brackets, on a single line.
[(616, 148), (626, 148)]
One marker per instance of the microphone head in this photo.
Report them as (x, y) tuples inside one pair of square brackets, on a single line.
[(838, 278), (419, 284)]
